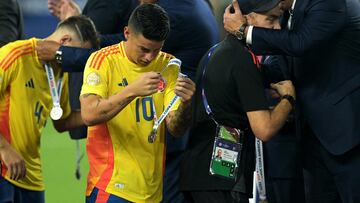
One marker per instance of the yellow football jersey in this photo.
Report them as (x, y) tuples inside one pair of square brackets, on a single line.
[(25, 104), (122, 162)]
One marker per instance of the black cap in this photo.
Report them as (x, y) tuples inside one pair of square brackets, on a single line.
[(257, 6)]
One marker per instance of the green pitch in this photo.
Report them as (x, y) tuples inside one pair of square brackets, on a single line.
[(58, 156)]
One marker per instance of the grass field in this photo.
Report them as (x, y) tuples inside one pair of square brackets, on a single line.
[(58, 154)]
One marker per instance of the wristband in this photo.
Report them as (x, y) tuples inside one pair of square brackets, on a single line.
[(290, 98)]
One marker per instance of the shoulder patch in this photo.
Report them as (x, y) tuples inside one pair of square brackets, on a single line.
[(93, 79)]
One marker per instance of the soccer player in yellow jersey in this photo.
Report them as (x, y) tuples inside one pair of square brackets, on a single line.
[(25, 104), (119, 93)]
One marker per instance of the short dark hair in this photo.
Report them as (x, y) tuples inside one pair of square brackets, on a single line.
[(151, 21), (83, 27)]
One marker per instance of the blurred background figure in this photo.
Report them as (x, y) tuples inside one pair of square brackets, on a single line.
[(11, 22)]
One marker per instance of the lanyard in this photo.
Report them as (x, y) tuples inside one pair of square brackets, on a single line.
[(259, 169), (56, 111), (206, 104), (157, 122)]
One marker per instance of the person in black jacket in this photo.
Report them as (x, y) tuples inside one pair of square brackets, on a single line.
[(11, 22)]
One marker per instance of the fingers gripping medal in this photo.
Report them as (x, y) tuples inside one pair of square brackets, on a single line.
[(56, 111), (162, 85)]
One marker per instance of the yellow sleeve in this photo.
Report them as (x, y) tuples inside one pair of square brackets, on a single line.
[(95, 75), (64, 98)]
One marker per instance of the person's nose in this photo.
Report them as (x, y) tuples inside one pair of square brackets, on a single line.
[(149, 56)]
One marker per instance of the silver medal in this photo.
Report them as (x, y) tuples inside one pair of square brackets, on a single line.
[(56, 113)]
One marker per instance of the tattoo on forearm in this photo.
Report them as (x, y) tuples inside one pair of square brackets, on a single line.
[(180, 121), (123, 103)]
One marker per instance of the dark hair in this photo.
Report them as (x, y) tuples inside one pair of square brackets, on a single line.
[(83, 27), (151, 21)]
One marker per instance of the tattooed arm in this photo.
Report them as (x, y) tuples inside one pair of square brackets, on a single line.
[(177, 122), (95, 109)]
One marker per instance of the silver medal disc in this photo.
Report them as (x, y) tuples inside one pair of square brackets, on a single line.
[(56, 113)]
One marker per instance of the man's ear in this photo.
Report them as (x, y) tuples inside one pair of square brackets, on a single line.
[(126, 32), (65, 39)]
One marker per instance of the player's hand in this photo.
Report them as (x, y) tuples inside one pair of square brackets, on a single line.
[(233, 18), (284, 87), (68, 8), (185, 89), (146, 84), (46, 49), (13, 162)]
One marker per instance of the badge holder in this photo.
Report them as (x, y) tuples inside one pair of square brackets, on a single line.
[(226, 153)]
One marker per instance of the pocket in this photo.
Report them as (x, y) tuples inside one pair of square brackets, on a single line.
[(341, 92)]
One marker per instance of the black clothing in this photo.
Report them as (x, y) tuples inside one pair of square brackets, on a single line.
[(11, 22), (282, 154), (330, 178), (109, 16), (220, 196), (325, 42), (233, 86)]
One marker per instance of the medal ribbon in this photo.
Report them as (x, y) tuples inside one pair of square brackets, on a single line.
[(55, 89), (176, 62), (259, 169)]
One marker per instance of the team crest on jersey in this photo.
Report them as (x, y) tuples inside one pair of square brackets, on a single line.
[(162, 84), (93, 79)]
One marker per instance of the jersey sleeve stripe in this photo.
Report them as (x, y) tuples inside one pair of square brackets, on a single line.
[(92, 60), (26, 46), (15, 57), (103, 57), (104, 53), (96, 64), (95, 59), (100, 55)]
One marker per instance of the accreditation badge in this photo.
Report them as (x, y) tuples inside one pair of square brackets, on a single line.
[(226, 154)]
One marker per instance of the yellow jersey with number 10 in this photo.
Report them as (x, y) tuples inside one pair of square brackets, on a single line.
[(122, 161)]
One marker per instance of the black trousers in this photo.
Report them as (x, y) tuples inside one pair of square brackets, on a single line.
[(285, 190), (330, 178), (217, 196)]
